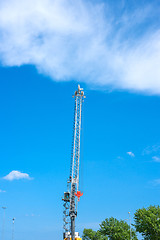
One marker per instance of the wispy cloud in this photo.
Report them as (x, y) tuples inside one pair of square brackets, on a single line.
[(156, 182), (83, 40), (151, 149), (119, 157), (32, 215), (16, 175), (156, 159), (2, 191), (131, 154)]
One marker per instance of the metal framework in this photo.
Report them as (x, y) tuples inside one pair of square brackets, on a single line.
[(70, 201)]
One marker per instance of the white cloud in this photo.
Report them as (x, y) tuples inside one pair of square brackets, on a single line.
[(156, 159), (83, 41), (131, 154), (16, 175)]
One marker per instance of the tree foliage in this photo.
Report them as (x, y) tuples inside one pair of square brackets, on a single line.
[(117, 230), (89, 234), (112, 228), (147, 222)]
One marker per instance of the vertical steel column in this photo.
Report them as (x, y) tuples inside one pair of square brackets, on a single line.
[(79, 96)]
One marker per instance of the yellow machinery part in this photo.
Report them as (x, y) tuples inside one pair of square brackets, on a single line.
[(75, 238)]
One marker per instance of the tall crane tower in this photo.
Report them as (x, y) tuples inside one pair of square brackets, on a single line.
[(69, 199)]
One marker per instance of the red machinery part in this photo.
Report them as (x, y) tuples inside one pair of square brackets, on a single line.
[(78, 194)]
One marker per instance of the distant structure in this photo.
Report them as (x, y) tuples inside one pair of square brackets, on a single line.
[(70, 201), (13, 228), (3, 223)]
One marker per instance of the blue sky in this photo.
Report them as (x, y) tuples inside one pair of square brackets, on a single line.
[(46, 49)]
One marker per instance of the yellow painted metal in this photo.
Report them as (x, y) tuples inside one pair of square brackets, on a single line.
[(75, 238)]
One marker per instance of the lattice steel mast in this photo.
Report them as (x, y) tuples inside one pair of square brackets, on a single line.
[(70, 203)]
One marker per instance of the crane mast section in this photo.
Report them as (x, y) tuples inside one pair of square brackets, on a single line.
[(74, 175), (74, 178), (70, 201), (76, 144)]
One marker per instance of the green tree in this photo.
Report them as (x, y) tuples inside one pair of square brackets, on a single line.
[(116, 230), (147, 222), (89, 234)]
